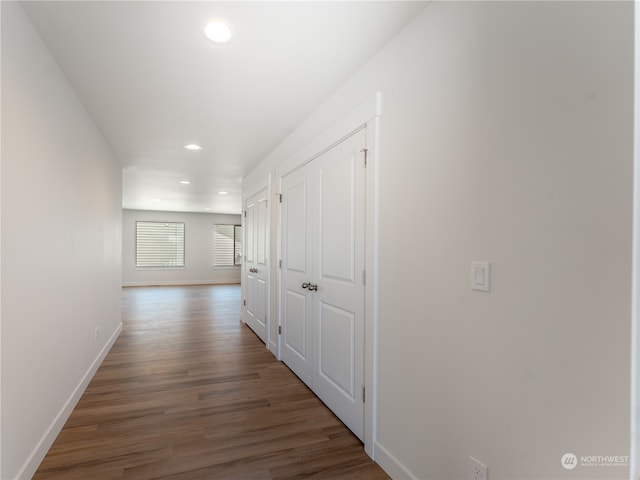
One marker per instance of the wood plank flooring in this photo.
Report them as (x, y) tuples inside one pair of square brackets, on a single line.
[(188, 393)]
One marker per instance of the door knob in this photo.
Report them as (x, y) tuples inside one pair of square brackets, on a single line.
[(305, 285), (313, 287)]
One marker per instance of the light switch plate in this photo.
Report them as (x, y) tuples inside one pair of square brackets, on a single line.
[(481, 276)]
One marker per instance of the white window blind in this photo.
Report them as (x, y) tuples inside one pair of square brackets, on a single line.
[(159, 244), (227, 241)]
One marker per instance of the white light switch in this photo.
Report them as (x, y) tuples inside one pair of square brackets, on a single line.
[(481, 276)]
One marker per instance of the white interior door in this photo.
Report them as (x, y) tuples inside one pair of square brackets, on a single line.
[(256, 264), (338, 267), (296, 248), (323, 244)]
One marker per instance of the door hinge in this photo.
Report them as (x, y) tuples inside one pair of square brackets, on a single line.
[(279, 263), (280, 197), (364, 277), (363, 394), (279, 329), (365, 151), (245, 214), (244, 302)]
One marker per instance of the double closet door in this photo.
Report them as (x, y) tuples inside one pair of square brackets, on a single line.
[(256, 263), (323, 260)]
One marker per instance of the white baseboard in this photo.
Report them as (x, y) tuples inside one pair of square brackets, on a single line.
[(180, 283), (391, 464), (43, 446)]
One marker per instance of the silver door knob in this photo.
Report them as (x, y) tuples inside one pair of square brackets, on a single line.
[(305, 285), (313, 287)]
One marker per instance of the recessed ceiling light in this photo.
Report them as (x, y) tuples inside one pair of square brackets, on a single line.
[(156, 199), (218, 31), (185, 182), (223, 193), (193, 146)]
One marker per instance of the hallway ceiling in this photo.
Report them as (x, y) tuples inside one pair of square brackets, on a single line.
[(153, 83)]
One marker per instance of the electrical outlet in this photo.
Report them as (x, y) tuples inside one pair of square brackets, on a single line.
[(478, 470)]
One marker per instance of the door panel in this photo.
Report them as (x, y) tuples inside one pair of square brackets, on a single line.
[(296, 303), (336, 362), (296, 232), (337, 187), (295, 339), (338, 265), (256, 263), (261, 230), (250, 245), (261, 265), (251, 308), (261, 300), (322, 219)]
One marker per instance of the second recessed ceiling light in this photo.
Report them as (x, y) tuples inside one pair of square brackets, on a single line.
[(218, 31)]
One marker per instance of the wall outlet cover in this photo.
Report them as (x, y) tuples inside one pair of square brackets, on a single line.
[(478, 471)]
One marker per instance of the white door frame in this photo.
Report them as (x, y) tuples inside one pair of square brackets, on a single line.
[(366, 114)]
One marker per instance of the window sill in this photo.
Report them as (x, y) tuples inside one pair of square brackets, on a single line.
[(149, 269)]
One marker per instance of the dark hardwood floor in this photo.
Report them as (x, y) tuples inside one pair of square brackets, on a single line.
[(188, 392)]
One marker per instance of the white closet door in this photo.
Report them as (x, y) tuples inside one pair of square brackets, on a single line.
[(296, 346), (323, 248), (338, 266), (256, 263)]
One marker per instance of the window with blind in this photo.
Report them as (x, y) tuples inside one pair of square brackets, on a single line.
[(159, 244), (227, 245)]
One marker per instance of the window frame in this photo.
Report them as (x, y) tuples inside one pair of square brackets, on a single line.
[(236, 258)]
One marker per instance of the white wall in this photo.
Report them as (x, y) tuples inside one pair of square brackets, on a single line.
[(635, 287), (506, 135), (61, 247), (197, 269)]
